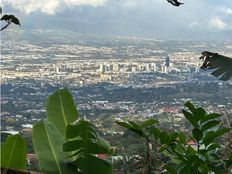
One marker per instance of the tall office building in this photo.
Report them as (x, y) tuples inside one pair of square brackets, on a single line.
[(116, 67), (167, 61), (148, 67), (107, 67), (164, 69), (102, 68)]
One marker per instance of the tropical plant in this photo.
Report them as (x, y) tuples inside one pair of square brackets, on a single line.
[(200, 157), (148, 162), (85, 144), (203, 155), (58, 150), (9, 19), (13, 154), (64, 144), (222, 65)]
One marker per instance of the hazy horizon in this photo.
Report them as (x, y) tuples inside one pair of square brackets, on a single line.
[(155, 19)]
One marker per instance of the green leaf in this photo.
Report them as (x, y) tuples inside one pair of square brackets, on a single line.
[(200, 113), (184, 170), (190, 152), (84, 143), (182, 138), (173, 136), (13, 153), (229, 161), (164, 137), (155, 132), (208, 117), (190, 106), (123, 124), (211, 135), (61, 110), (47, 143), (132, 126), (170, 169), (213, 146), (210, 124), (149, 122), (209, 138), (190, 118), (99, 147), (82, 128), (135, 125), (197, 134), (222, 131), (216, 169), (92, 164)]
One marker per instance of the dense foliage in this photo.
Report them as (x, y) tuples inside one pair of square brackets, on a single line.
[(66, 144), (199, 156)]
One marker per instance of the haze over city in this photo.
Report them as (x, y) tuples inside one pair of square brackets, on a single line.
[(116, 86)]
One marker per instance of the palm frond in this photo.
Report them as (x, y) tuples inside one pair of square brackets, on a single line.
[(222, 65), (85, 144)]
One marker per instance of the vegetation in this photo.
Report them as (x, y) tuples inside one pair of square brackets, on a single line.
[(221, 65), (200, 157), (65, 144), (9, 19)]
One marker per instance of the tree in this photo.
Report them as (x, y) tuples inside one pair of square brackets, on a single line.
[(199, 157)]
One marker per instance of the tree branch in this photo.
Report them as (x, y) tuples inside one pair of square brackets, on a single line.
[(8, 23)]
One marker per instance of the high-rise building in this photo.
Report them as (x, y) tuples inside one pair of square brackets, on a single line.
[(116, 67), (164, 69), (153, 66), (133, 69), (167, 61), (106, 68), (102, 68), (148, 67)]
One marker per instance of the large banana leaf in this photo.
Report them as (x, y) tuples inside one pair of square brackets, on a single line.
[(61, 110), (47, 143), (13, 153), (221, 64), (84, 143)]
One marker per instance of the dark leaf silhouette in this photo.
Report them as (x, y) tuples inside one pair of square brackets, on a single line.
[(221, 64), (11, 18), (175, 2)]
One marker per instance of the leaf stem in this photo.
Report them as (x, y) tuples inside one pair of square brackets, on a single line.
[(8, 23)]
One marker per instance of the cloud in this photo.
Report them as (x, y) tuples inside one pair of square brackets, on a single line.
[(143, 18), (227, 11), (218, 23), (49, 7), (194, 24), (93, 3)]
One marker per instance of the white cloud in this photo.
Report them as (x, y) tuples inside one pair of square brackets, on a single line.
[(49, 7), (93, 3), (217, 23), (227, 11), (194, 24)]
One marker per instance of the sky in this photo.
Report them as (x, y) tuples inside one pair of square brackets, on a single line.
[(195, 20)]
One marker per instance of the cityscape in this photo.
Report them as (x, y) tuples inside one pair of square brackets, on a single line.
[(109, 77), (116, 87)]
